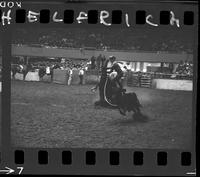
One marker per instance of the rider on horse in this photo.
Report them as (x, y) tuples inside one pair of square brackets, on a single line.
[(113, 67), (108, 67), (111, 89)]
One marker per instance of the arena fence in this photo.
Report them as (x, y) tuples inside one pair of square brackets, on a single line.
[(132, 79), (146, 81)]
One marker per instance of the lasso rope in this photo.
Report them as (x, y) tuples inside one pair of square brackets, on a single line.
[(105, 94)]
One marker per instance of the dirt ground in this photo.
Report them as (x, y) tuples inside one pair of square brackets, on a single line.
[(50, 115)]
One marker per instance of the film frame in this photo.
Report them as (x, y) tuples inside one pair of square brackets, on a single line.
[(103, 161)]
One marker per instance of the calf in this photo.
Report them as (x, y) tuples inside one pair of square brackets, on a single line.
[(128, 102)]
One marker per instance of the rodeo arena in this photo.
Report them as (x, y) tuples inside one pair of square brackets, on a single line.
[(101, 89)]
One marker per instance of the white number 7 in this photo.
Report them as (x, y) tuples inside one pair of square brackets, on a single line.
[(21, 169)]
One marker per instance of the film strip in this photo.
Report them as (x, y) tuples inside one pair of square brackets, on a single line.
[(44, 16), (53, 57)]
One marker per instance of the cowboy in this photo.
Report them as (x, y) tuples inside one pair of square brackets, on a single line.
[(48, 70), (81, 75), (116, 67), (70, 76)]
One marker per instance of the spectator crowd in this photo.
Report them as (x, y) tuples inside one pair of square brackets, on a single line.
[(185, 68), (102, 39)]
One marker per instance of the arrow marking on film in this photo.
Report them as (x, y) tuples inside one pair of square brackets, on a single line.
[(8, 171)]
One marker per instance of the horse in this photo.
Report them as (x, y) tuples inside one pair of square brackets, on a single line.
[(42, 71), (15, 68)]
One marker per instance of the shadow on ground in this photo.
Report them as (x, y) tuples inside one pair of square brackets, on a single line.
[(131, 121)]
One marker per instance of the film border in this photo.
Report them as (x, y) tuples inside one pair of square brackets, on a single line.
[(102, 155)]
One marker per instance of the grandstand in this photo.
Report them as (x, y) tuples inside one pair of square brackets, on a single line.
[(139, 61), (94, 41), (154, 52), (115, 39)]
